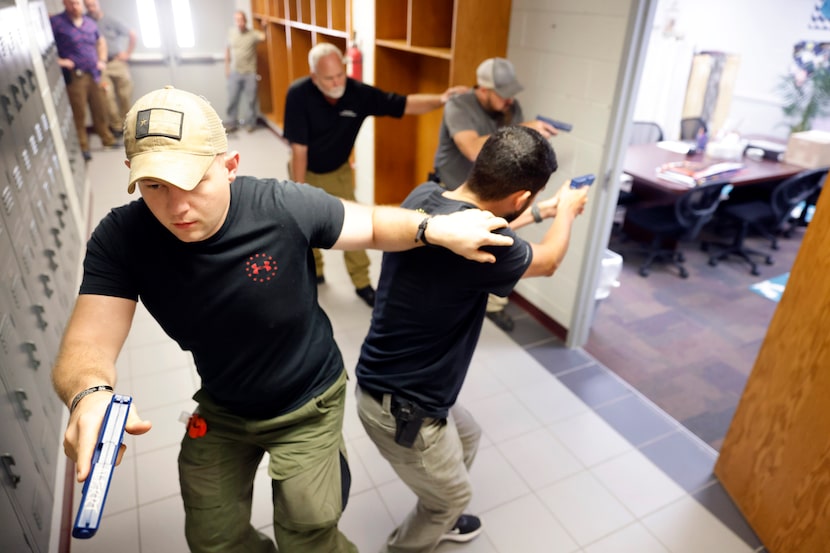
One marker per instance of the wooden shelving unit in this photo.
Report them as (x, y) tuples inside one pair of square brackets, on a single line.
[(426, 46), (420, 46), (291, 28)]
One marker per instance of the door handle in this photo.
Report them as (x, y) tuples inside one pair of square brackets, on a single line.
[(8, 463), (21, 397)]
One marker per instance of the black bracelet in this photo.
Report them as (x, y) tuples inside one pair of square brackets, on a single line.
[(86, 392), (534, 210), (421, 235)]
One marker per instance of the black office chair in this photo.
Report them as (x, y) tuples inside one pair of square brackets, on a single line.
[(690, 126), (672, 223), (767, 218)]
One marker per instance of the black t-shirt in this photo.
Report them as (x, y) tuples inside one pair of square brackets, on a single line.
[(429, 311), (244, 301), (328, 130)]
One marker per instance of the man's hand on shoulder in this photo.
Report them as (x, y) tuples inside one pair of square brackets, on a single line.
[(453, 91), (466, 232)]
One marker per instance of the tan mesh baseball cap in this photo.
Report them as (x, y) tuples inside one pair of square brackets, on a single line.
[(172, 136)]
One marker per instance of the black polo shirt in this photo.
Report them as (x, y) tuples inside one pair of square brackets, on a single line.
[(329, 130)]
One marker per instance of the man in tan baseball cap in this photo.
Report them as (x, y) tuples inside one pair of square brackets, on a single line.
[(222, 262)]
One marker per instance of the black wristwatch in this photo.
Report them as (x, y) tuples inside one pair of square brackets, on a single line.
[(421, 235)]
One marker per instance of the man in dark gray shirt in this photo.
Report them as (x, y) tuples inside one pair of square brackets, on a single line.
[(469, 120)]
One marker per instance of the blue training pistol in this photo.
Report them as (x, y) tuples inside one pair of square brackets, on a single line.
[(558, 125), (97, 483)]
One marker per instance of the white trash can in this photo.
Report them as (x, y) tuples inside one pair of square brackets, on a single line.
[(609, 276)]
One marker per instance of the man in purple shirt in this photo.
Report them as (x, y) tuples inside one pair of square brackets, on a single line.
[(82, 55)]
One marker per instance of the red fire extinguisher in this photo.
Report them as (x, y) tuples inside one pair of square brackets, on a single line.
[(354, 62)]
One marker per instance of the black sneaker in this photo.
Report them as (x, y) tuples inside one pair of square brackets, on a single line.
[(367, 294), (502, 320), (466, 528)]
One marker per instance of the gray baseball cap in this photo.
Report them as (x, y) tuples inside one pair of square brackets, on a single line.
[(498, 74)]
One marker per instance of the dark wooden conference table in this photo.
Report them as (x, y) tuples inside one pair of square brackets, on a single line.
[(642, 161)]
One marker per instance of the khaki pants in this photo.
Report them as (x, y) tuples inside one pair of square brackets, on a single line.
[(495, 303), (118, 87), (340, 183), (82, 91), (307, 465), (435, 468)]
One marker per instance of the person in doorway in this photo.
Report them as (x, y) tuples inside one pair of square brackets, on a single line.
[(469, 119), (115, 78), (427, 321), (82, 55), (323, 114), (223, 263), (240, 70)]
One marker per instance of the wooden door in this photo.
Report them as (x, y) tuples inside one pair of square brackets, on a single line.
[(775, 459)]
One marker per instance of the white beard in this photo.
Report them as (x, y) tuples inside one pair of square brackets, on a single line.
[(334, 93)]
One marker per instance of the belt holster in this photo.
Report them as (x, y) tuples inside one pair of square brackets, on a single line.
[(409, 417)]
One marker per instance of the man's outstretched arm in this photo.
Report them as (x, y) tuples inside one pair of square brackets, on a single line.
[(396, 229)]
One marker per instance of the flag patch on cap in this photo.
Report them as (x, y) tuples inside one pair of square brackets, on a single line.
[(159, 122)]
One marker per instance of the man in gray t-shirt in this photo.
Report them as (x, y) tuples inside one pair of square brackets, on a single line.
[(116, 79), (469, 120)]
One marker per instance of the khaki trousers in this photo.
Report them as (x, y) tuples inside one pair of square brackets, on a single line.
[(118, 87), (307, 465), (82, 91), (435, 468), (340, 183)]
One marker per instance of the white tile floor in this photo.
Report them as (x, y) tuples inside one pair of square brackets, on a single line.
[(550, 476)]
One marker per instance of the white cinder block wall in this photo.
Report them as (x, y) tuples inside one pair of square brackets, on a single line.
[(571, 56)]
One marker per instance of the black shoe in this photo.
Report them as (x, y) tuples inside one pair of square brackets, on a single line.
[(367, 294), (502, 320), (321, 279), (117, 133), (466, 528), (87, 155)]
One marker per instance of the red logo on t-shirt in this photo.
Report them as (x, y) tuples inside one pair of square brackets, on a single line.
[(261, 267)]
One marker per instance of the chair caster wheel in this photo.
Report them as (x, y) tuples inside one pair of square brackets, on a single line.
[(755, 272), (680, 257), (768, 261), (712, 262), (643, 272), (684, 274)]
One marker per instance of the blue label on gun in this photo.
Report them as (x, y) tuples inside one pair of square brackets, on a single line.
[(98, 482)]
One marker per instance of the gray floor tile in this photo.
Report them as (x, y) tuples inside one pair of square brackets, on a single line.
[(684, 458), (595, 385), (636, 419)]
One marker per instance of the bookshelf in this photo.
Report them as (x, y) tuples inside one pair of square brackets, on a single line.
[(291, 28), (426, 46), (420, 46)]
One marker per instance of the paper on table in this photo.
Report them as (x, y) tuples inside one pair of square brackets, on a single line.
[(675, 146)]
